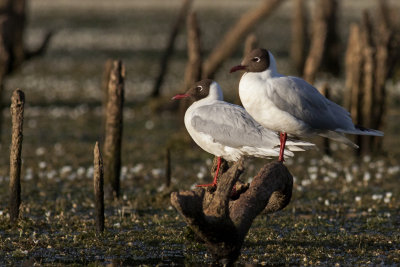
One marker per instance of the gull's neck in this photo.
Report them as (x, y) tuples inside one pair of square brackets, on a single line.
[(271, 72), (215, 93)]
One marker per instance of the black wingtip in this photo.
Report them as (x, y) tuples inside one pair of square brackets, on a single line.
[(370, 131)]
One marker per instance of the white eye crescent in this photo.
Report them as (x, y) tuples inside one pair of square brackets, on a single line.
[(200, 88), (256, 59)]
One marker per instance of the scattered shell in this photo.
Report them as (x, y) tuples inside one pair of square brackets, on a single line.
[(377, 196), (367, 176), (137, 168), (40, 151), (149, 125), (42, 165)]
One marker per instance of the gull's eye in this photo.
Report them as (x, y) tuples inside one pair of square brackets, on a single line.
[(199, 88), (256, 59)]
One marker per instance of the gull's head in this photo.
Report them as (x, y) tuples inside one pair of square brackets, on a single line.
[(258, 60), (203, 89)]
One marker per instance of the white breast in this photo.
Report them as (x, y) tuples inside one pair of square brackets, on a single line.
[(254, 92)]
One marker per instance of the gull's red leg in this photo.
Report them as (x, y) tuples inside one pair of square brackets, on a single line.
[(282, 137), (217, 171), (214, 183)]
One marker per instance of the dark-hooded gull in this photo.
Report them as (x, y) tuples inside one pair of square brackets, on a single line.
[(227, 130), (290, 105)]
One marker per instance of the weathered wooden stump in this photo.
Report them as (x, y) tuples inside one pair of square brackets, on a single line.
[(17, 115), (98, 188), (13, 51), (371, 56), (113, 129), (222, 222)]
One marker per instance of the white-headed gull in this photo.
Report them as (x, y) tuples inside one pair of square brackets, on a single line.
[(290, 105), (227, 130)]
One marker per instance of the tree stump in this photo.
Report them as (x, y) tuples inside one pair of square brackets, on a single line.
[(186, 4), (371, 56), (299, 40), (113, 129), (13, 51), (235, 34), (195, 60), (223, 222), (324, 44), (17, 115)]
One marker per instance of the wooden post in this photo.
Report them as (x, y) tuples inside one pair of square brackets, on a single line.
[(14, 15), (370, 57), (113, 128), (232, 38), (318, 39), (368, 71), (105, 80), (12, 50), (170, 47), (355, 76), (353, 65), (17, 116), (299, 36), (193, 67), (12, 28), (98, 182), (387, 54), (324, 38), (195, 61)]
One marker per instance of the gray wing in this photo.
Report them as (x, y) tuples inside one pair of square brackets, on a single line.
[(304, 102), (232, 126)]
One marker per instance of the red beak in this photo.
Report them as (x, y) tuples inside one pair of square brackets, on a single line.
[(238, 67), (180, 96)]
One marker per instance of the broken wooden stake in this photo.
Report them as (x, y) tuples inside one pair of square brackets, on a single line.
[(98, 186), (324, 40), (195, 60), (105, 79), (221, 222), (170, 47), (299, 39), (13, 51), (193, 67), (231, 39), (371, 54), (17, 116), (113, 129)]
